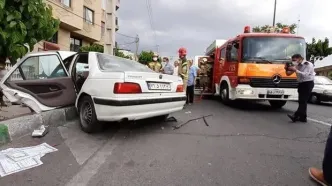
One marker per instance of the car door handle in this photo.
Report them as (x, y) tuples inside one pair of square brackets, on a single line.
[(53, 89)]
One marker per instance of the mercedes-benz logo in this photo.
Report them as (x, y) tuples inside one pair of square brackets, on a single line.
[(160, 76), (276, 79)]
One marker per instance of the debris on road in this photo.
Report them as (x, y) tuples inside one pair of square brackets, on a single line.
[(40, 132), (188, 112), (171, 119), (14, 160), (203, 117)]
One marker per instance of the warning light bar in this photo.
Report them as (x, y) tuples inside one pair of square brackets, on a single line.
[(285, 30), (247, 29)]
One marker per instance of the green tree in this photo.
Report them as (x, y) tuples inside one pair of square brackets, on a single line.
[(146, 56), (92, 48), (279, 26), (319, 48), (23, 23), (100, 48)]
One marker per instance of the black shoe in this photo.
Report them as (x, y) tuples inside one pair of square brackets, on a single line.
[(292, 117), (304, 120)]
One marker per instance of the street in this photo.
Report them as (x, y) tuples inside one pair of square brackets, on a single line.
[(248, 144)]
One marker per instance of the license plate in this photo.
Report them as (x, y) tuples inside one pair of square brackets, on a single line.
[(159, 86), (275, 92)]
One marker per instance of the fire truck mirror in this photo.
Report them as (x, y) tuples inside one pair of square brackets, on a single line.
[(236, 45), (229, 47), (212, 56)]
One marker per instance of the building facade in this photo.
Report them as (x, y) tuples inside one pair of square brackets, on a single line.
[(82, 22), (323, 67)]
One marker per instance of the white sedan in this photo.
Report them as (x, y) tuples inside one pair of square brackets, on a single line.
[(102, 87), (322, 90)]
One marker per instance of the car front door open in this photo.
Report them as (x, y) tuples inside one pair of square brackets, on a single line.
[(40, 82)]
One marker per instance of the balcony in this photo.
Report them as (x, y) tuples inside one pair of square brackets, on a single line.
[(64, 11)]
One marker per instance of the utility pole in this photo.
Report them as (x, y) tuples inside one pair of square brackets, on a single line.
[(157, 49), (137, 44), (298, 25), (110, 27), (274, 13)]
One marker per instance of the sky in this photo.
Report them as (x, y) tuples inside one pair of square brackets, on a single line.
[(195, 24)]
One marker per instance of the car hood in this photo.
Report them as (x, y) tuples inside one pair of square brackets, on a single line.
[(325, 87)]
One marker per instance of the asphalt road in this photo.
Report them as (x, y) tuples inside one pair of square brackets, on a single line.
[(247, 144)]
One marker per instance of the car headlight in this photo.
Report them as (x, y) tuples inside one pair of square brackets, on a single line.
[(245, 92)]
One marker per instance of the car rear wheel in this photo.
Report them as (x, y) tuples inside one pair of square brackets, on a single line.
[(88, 118), (277, 104), (314, 99)]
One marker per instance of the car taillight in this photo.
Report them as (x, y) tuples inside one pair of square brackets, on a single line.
[(244, 80), (179, 88), (127, 88)]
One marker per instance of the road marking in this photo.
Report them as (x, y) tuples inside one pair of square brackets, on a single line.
[(92, 166), (320, 122)]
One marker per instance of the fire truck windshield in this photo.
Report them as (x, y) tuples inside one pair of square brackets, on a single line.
[(271, 49)]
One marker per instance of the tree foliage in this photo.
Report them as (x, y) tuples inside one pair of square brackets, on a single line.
[(24, 22), (319, 48), (146, 56), (100, 48), (279, 26), (92, 48)]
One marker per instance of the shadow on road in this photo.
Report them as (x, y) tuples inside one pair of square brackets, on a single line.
[(254, 106)]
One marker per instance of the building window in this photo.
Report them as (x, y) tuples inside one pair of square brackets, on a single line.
[(102, 28), (116, 21), (65, 2), (88, 15), (54, 38), (75, 44)]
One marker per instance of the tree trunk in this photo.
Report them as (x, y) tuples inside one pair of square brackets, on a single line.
[(2, 74)]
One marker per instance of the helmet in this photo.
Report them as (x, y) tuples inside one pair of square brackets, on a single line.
[(182, 51), (155, 54)]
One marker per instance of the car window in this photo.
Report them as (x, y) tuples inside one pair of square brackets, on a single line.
[(113, 63), (39, 67)]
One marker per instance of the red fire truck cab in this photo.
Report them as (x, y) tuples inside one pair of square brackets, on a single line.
[(251, 67)]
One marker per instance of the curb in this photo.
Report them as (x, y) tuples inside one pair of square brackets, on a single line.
[(21, 126)]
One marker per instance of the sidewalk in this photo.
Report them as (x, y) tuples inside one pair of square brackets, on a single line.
[(13, 111)]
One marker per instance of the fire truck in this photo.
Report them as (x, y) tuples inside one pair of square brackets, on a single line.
[(250, 66)]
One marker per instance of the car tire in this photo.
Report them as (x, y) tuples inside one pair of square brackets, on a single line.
[(87, 114), (224, 94), (162, 118), (314, 98), (277, 104)]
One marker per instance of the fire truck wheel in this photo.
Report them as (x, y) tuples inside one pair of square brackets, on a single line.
[(277, 104), (224, 93)]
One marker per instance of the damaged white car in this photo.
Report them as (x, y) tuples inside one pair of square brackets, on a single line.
[(102, 87)]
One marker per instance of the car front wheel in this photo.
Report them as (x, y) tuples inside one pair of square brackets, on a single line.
[(314, 99), (224, 94), (88, 118)]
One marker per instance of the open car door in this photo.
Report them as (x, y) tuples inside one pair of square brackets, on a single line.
[(41, 81)]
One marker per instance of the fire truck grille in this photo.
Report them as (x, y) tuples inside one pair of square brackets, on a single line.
[(268, 83)]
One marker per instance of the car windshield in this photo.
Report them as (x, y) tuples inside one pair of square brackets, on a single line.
[(272, 49), (116, 64), (322, 80)]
